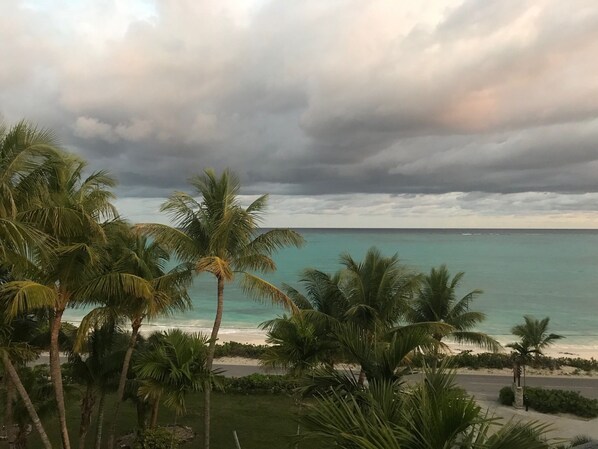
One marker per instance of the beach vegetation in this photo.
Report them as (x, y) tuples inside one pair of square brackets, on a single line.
[(534, 333), (554, 401), (217, 235), (436, 301)]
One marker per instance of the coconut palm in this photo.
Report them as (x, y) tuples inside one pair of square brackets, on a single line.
[(136, 256), (376, 290), (305, 339), (217, 235), (72, 210), (24, 150), (436, 301), (535, 333)]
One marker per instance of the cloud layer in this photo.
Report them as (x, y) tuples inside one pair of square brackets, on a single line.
[(316, 98)]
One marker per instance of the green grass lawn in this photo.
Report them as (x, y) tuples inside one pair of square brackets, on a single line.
[(261, 421)]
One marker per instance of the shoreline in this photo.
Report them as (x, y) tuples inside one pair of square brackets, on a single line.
[(258, 337), (255, 336)]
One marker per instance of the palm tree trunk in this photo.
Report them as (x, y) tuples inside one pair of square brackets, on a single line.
[(9, 422), (56, 374), (14, 376), (135, 325), (87, 404), (141, 407), (210, 360), (100, 423), (155, 410)]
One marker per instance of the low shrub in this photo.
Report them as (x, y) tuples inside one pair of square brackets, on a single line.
[(260, 384), (506, 396), (157, 438), (234, 349), (553, 401), (561, 401)]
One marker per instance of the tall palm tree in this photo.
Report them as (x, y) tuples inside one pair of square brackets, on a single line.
[(217, 235), (135, 255), (535, 333), (436, 301), (24, 151), (72, 209)]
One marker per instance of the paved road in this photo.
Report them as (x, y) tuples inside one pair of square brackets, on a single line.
[(484, 387)]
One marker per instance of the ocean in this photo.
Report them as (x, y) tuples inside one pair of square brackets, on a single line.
[(535, 272)]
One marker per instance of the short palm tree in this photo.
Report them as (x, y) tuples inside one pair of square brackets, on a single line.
[(173, 368), (376, 290), (305, 339), (535, 333), (436, 301), (217, 235), (434, 414)]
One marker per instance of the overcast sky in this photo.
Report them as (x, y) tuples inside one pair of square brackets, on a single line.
[(350, 113)]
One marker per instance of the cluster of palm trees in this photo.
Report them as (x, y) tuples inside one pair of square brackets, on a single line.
[(364, 307), (63, 245), (377, 314)]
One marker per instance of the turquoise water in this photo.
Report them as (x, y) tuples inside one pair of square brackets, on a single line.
[(542, 273)]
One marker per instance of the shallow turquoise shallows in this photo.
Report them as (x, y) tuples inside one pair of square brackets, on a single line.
[(543, 273)]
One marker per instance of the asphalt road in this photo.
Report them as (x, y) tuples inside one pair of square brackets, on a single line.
[(483, 386)]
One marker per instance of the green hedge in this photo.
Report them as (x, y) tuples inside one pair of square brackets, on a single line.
[(488, 360), (554, 401), (234, 349), (260, 384)]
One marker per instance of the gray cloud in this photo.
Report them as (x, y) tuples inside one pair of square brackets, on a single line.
[(315, 98)]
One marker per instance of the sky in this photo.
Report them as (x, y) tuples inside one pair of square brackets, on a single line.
[(377, 113)]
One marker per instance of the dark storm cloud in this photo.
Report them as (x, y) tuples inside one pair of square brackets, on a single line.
[(312, 97)]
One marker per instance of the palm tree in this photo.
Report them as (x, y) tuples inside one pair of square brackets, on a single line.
[(135, 255), (219, 236), (376, 290), (535, 333), (71, 209), (20, 352), (434, 414), (521, 356), (24, 151), (305, 339), (436, 301), (39, 388), (174, 367), (97, 371)]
